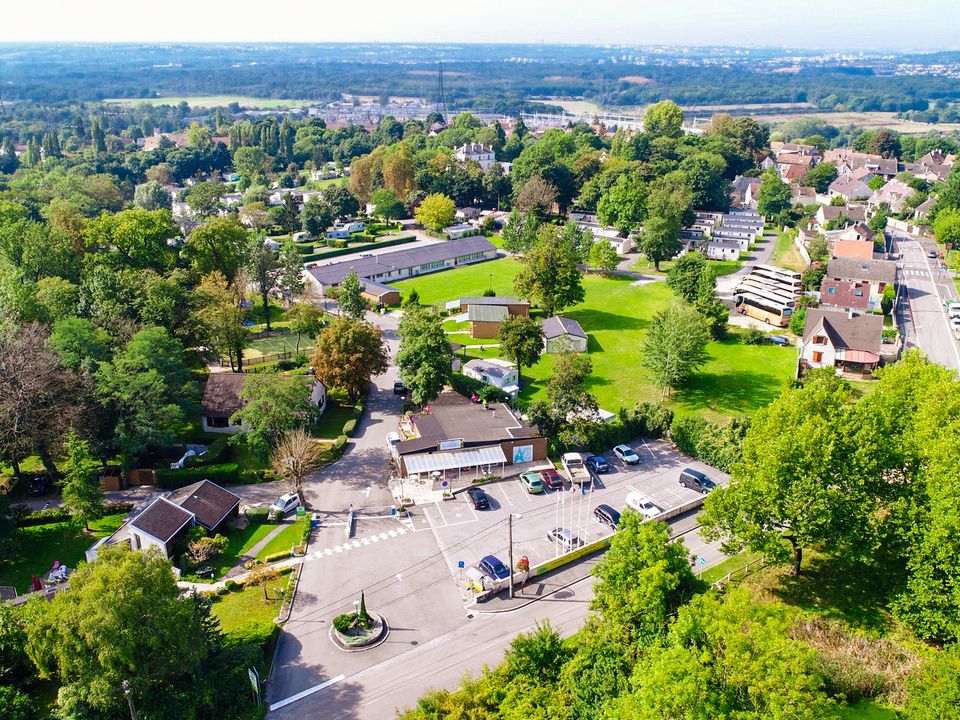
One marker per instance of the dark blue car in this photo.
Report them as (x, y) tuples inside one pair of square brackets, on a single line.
[(492, 567), (598, 464)]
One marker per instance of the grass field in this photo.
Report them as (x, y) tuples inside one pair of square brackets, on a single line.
[(38, 547), (236, 609), (285, 539), (207, 101), (240, 542), (738, 379), (787, 255), (720, 267), (731, 564)]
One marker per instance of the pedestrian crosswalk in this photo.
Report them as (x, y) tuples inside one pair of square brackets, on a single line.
[(358, 543)]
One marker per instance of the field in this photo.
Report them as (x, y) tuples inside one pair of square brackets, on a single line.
[(738, 378), (236, 609), (865, 120), (207, 101), (787, 255)]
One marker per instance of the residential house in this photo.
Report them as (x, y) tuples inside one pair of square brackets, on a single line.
[(722, 250), (486, 313), (563, 334), (829, 213), (476, 152), (894, 194), (381, 295), (845, 295), (849, 188), (222, 398), (847, 160), (849, 343), (858, 231), (467, 213), (497, 373), (803, 195), (858, 249), (877, 274), (923, 209), (744, 191)]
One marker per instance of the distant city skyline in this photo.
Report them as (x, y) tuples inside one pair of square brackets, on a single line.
[(928, 25)]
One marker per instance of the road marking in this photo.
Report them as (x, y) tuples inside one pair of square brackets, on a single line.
[(367, 492), (504, 493), (306, 693), (648, 449), (442, 516), (946, 321), (338, 548)]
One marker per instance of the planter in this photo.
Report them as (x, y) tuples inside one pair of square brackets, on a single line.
[(358, 640)]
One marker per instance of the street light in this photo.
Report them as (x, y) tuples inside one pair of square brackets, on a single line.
[(510, 545)]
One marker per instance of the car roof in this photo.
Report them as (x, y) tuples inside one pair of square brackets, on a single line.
[(492, 559), (475, 490), (625, 447), (607, 508), (696, 473), (563, 532), (286, 496)]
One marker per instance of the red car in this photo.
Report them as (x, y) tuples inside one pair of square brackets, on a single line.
[(551, 478)]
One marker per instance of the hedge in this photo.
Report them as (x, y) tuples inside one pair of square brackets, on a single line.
[(349, 426), (468, 386), (257, 514), (220, 474), (312, 257), (717, 445), (216, 453), (261, 633), (645, 420), (282, 555), (24, 517)]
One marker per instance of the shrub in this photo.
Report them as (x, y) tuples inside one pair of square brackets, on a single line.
[(340, 442), (232, 585), (349, 426), (257, 514), (261, 633), (41, 517), (221, 473), (358, 409), (343, 623), (205, 549), (273, 557), (468, 386), (712, 443), (222, 590), (217, 452), (753, 336)]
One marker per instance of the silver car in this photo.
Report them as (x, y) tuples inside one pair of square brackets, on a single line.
[(566, 539)]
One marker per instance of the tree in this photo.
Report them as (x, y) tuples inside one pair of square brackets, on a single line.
[(663, 119), (198, 136), (520, 232), (536, 196), (273, 405), (316, 217), (79, 344), (425, 358), (265, 270), (203, 198), (791, 489), (219, 245), (291, 280), (933, 693), (623, 205), (550, 274), (296, 455), (820, 176), (705, 173), (386, 204), (675, 346), (350, 298), (249, 162), (145, 385), (684, 276), (798, 321), (341, 201), (96, 648), (567, 387), (603, 256), (348, 353), (660, 239), (642, 579), (305, 320), (668, 205), (521, 340), (80, 486), (436, 212), (152, 196), (947, 227), (220, 317), (258, 217), (773, 197), (135, 238), (289, 214)]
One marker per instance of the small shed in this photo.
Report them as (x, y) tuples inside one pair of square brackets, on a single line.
[(560, 334)]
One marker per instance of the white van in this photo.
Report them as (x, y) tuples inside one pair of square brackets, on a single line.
[(642, 504), (393, 439)]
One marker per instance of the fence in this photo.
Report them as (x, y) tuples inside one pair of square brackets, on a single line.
[(270, 357), (739, 572)]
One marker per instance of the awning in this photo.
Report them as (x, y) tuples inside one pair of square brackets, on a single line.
[(428, 462), (860, 356)]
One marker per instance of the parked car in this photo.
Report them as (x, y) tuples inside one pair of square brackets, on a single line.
[(532, 482), (564, 538), (478, 499), (607, 515), (598, 464), (696, 480), (40, 485), (627, 454), (931, 253), (642, 504), (778, 340), (552, 479), (492, 567), (285, 504), (399, 388)]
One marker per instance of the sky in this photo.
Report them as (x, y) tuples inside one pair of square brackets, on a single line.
[(903, 24)]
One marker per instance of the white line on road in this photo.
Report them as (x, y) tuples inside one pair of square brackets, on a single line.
[(946, 322), (504, 493), (305, 693)]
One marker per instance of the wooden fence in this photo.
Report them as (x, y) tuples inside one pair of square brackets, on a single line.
[(270, 357), (739, 572)]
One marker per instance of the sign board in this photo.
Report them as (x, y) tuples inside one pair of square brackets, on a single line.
[(703, 560), (453, 444), (254, 682), (522, 453), (460, 564)]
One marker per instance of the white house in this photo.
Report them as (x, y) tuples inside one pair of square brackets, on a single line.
[(455, 232), (849, 343), (478, 153), (563, 334), (221, 399), (344, 230), (722, 250), (496, 373)]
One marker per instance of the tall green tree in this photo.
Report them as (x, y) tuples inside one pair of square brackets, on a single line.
[(80, 486), (273, 404), (603, 256), (219, 245), (348, 353), (550, 275), (436, 212), (265, 270), (316, 217), (820, 176), (291, 280), (135, 238), (152, 196), (675, 346), (623, 205), (773, 197), (219, 317), (305, 320), (663, 119), (668, 205), (520, 232), (521, 340), (425, 358), (349, 296)]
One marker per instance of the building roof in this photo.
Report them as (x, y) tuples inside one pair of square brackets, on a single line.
[(366, 268), (862, 249), (487, 313), (376, 289), (724, 244), (856, 269), (554, 327), (208, 502), (162, 520), (221, 397), (495, 300), (845, 294), (858, 229), (489, 367), (861, 332), (850, 188)]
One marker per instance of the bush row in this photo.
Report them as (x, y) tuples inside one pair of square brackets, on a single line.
[(282, 555), (25, 517), (222, 473), (715, 444), (645, 420), (350, 425), (344, 250), (468, 386), (217, 452), (257, 514)]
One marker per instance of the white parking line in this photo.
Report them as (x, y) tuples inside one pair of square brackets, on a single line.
[(442, 516), (504, 493), (305, 693)]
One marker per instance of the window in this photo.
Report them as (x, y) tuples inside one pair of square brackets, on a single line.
[(819, 340), (817, 356), (217, 422), (858, 293)]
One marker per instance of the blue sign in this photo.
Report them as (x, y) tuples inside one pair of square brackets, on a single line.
[(393, 511), (460, 564), (703, 560)]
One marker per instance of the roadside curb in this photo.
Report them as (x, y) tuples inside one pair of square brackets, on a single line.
[(531, 600)]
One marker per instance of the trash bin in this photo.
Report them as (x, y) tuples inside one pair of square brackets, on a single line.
[(301, 511), (314, 521)]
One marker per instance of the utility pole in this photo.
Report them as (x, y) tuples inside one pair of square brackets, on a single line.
[(510, 543), (126, 691)]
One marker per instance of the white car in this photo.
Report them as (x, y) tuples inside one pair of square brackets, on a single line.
[(285, 504), (626, 453), (642, 504)]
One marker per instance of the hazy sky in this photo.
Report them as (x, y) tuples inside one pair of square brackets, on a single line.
[(917, 24)]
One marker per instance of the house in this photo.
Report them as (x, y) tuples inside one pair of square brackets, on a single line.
[(829, 213), (722, 250), (344, 230), (381, 295), (849, 343), (859, 249), (467, 440), (744, 190), (845, 295), (858, 231), (388, 267), (468, 213), (803, 195), (847, 160), (203, 504), (562, 334), (486, 313), (923, 209), (497, 373), (877, 274), (476, 152), (849, 188), (221, 399), (792, 173), (456, 232), (894, 194)]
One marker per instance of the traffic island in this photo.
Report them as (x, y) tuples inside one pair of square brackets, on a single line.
[(360, 630)]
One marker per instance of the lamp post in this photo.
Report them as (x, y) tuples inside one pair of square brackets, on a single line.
[(126, 691)]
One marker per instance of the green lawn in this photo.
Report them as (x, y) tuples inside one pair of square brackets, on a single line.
[(786, 254), (868, 710), (731, 564), (38, 547), (236, 609), (240, 542), (738, 379), (285, 539), (338, 411), (720, 267)]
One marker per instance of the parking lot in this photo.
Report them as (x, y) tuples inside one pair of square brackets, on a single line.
[(466, 535)]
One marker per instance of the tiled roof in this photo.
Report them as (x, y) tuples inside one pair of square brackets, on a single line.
[(221, 397), (861, 332), (554, 327), (162, 520), (209, 502)]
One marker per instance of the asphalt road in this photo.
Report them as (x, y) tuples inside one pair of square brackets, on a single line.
[(924, 290)]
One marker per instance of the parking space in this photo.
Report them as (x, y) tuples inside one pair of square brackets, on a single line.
[(465, 535)]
